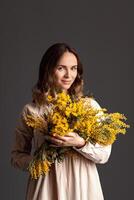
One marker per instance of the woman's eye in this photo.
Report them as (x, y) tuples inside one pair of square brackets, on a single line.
[(60, 68), (74, 68)]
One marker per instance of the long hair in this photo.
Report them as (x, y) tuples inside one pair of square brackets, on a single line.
[(45, 83)]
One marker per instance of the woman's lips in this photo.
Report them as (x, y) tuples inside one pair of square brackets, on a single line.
[(66, 82)]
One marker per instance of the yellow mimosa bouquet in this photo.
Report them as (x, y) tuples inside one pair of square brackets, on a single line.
[(66, 114)]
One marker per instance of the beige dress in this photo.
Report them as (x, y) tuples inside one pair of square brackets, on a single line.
[(76, 178)]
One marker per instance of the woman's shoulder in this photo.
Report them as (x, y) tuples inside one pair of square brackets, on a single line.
[(34, 108), (30, 108), (93, 102)]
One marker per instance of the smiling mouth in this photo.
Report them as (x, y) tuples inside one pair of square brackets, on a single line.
[(66, 82)]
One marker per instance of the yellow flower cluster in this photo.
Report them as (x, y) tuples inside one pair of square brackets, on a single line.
[(35, 121), (61, 101), (111, 125), (38, 168), (75, 109), (59, 123), (67, 115)]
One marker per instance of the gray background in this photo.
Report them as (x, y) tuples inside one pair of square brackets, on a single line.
[(102, 33)]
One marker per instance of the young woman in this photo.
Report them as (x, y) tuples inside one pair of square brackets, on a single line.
[(76, 178)]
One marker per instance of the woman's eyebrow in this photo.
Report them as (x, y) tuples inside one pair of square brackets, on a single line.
[(66, 66)]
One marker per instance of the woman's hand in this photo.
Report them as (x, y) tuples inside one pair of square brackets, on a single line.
[(71, 139)]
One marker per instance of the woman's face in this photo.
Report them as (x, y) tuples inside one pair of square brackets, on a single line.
[(66, 71)]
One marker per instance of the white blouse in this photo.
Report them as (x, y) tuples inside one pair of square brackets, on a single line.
[(76, 178)]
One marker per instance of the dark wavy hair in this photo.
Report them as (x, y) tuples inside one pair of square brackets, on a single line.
[(45, 83)]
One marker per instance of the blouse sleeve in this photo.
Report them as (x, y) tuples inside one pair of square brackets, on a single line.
[(96, 153), (21, 150)]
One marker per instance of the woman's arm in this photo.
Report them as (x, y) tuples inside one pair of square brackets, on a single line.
[(96, 153), (21, 150)]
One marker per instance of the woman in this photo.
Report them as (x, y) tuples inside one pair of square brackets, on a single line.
[(76, 178)]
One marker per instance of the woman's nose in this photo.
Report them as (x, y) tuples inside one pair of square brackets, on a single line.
[(67, 73)]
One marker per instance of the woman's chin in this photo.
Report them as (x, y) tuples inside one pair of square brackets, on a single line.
[(65, 87)]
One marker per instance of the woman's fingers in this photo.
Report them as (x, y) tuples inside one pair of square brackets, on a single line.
[(54, 140), (71, 134), (70, 139), (63, 138)]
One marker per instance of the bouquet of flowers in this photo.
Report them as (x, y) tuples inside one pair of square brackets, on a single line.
[(66, 114)]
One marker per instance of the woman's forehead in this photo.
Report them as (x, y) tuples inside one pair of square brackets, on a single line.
[(67, 58)]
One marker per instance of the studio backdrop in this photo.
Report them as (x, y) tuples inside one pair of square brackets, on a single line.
[(102, 34)]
